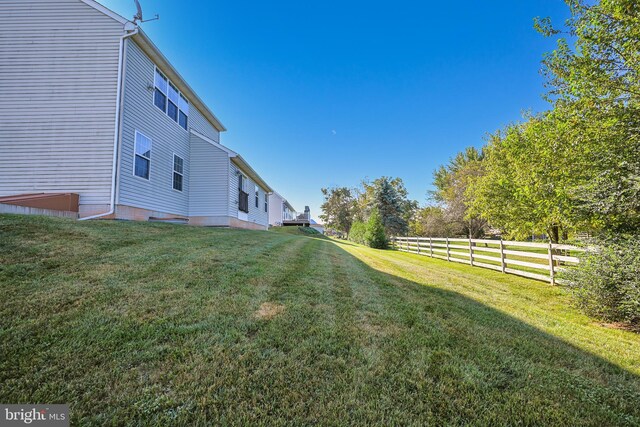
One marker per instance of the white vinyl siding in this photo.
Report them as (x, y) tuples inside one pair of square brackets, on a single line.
[(209, 174), (58, 68)]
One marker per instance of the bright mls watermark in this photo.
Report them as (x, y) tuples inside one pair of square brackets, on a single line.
[(34, 415)]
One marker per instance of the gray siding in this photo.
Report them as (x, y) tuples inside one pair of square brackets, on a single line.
[(58, 78), (208, 192), (256, 215), (139, 113)]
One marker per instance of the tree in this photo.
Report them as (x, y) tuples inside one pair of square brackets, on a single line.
[(596, 86), (337, 209), (392, 205), (528, 173), (429, 221), (451, 184), (375, 235)]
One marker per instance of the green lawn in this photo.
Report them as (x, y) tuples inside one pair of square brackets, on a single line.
[(158, 324)]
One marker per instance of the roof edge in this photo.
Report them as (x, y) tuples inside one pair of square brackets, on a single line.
[(110, 13), (245, 167)]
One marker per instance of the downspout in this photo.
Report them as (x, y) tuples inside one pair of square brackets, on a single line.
[(116, 132)]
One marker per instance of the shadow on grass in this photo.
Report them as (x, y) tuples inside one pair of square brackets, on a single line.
[(490, 366)]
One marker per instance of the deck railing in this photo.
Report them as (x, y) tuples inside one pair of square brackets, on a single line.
[(296, 216), (526, 259)]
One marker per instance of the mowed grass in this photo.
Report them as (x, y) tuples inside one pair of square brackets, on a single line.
[(158, 324)]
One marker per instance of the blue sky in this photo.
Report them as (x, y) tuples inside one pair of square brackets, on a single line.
[(317, 94)]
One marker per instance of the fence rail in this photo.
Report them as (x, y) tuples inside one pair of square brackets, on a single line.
[(540, 261)]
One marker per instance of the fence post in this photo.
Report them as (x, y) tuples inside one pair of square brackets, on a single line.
[(502, 263), (448, 256), (430, 248), (551, 267), (418, 244), (406, 239), (470, 252)]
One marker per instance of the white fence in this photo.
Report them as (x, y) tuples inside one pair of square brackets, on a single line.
[(540, 261)]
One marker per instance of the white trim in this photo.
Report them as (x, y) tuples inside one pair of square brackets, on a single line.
[(135, 143), (230, 152), (173, 171), (97, 6)]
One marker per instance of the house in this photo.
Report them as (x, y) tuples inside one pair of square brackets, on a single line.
[(92, 108), (279, 209), (281, 213)]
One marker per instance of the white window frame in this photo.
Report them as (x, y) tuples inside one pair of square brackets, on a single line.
[(166, 107), (173, 171), (135, 143)]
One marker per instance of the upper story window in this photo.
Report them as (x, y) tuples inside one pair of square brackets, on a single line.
[(142, 154), (178, 172), (168, 98)]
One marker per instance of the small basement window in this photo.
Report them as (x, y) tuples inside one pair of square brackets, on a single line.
[(142, 156), (178, 172)]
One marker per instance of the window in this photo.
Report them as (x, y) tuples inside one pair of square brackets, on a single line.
[(178, 172), (243, 197), (172, 108), (168, 98), (257, 197), (266, 202), (184, 111), (160, 92), (142, 156)]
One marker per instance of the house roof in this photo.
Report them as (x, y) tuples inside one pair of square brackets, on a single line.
[(163, 63), (238, 160)]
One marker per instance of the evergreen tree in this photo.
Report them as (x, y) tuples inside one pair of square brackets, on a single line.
[(375, 236)]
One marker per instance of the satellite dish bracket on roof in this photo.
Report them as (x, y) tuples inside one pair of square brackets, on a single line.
[(138, 16)]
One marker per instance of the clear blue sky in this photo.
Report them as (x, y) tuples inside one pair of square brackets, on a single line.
[(317, 94)]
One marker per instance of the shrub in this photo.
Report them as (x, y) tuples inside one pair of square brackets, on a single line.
[(606, 283), (356, 234), (374, 235)]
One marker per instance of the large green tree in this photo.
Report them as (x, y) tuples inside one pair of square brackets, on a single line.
[(526, 178), (338, 208), (595, 85), (451, 182)]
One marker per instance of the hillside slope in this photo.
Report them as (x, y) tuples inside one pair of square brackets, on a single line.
[(158, 324)]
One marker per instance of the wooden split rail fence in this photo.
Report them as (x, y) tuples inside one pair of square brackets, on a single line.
[(540, 261)]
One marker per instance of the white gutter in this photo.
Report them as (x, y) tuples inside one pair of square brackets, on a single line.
[(116, 133)]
